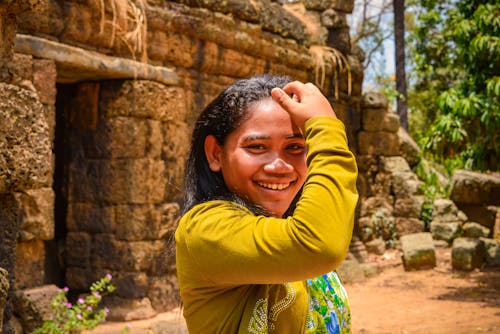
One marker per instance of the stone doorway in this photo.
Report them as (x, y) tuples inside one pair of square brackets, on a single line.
[(116, 186)]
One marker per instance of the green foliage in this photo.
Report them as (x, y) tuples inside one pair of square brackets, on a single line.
[(457, 86), (431, 188), (68, 318)]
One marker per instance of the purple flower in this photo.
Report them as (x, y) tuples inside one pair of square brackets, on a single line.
[(97, 295), (66, 289), (108, 276), (89, 308), (81, 301), (79, 316), (69, 305), (106, 310)]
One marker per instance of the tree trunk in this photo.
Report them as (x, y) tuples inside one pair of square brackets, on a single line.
[(399, 39)]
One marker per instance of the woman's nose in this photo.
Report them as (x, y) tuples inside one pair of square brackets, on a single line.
[(278, 165)]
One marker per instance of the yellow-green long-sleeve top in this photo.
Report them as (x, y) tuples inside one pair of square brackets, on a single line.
[(242, 273)]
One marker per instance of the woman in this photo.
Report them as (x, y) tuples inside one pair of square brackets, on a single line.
[(270, 197)]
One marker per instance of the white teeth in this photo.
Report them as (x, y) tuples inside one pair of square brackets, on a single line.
[(274, 186)]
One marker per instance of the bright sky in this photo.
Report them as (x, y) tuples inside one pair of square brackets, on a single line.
[(382, 63)]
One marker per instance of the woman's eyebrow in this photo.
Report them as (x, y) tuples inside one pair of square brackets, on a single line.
[(263, 137), (295, 135), (255, 137)]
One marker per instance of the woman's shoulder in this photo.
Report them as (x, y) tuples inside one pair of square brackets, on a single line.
[(213, 210)]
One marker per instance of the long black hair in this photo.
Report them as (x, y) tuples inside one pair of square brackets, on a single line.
[(222, 116)]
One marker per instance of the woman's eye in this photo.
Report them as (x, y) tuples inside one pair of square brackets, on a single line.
[(295, 148), (255, 147)]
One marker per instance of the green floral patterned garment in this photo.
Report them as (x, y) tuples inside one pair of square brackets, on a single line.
[(329, 311)]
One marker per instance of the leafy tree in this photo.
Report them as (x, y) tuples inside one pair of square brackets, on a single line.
[(456, 48)]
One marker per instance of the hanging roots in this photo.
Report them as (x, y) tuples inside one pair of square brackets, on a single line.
[(322, 57), (126, 14)]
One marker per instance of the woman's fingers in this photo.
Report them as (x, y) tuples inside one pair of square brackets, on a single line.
[(302, 101)]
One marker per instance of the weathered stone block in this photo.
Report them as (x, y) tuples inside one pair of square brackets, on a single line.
[(410, 207), (37, 214), (80, 278), (373, 204), (381, 186), (44, 80), (22, 67), (33, 305), (418, 251), (475, 230), (366, 229), (482, 214), (345, 6), (4, 290), (164, 292), (25, 148), (469, 187), (122, 309), (351, 271), (48, 19), (446, 211), (318, 5), (408, 148), (378, 143), (331, 18), (134, 256), (78, 245), (405, 184), (394, 164), (143, 99), (377, 119), (467, 254), (275, 19), (375, 100), (405, 226), (30, 264), (131, 285), (367, 164), (135, 181), (375, 246), (340, 39), (78, 23), (154, 139), (492, 252), (446, 231), (118, 137), (172, 47), (91, 218), (145, 222)]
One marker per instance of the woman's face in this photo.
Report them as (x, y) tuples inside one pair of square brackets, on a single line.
[(263, 160)]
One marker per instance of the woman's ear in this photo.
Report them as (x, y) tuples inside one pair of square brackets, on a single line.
[(213, 152)]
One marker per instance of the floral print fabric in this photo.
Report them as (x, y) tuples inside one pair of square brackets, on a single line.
[(329, 311)]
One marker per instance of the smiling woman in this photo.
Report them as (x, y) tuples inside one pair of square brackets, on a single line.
[(263, 160), (270, 197)]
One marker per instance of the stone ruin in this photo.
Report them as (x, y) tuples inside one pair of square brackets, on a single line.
[(97, 99)]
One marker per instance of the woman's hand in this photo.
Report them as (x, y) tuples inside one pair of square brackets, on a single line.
[(302, 101)]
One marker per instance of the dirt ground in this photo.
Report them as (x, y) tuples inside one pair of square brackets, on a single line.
[(436, 301)]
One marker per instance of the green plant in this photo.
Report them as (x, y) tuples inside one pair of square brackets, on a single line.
[(431, 188), (384, 227), (68, 318)]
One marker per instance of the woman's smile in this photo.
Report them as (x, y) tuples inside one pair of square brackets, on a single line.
[(274, 186)]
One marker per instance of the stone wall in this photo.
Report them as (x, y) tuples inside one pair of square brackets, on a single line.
[(391, 201), (113, 91)]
